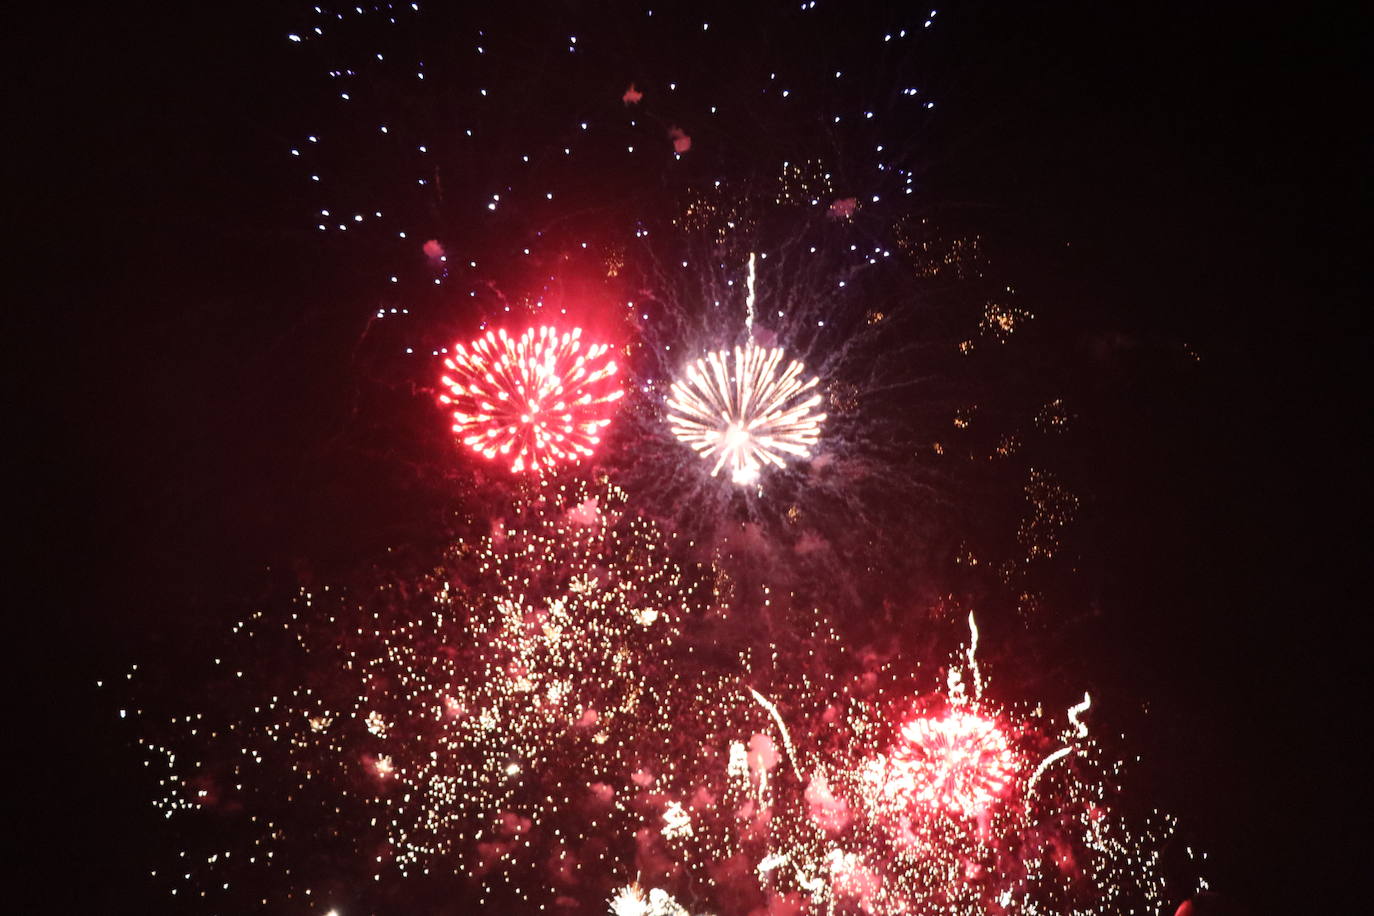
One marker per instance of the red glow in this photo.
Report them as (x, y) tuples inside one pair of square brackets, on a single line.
[(536, 401)]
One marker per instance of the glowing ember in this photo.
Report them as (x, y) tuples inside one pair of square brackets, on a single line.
[(537, 400), (958, 761), (743, 411)]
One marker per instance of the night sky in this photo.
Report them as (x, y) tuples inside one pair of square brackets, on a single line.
[(1154, 176)]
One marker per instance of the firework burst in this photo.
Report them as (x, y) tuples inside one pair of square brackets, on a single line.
[(537, 400), (744, 412), (959, 761)]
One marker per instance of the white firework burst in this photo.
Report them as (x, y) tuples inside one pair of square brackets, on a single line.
[(744, 411)]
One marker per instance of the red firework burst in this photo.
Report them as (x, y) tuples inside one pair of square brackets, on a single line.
[(958, 761), (537, 400)]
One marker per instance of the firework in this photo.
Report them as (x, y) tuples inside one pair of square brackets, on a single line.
[(741, 411), (536, 401), (959, 761), (941, 814), (560, 712)]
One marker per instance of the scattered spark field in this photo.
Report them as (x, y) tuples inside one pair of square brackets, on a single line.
[(530, 719)]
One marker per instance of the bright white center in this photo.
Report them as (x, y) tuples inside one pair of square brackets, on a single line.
[(745, 476), (736, 437)]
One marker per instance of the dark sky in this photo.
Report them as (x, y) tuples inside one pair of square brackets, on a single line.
[(1178, 175)]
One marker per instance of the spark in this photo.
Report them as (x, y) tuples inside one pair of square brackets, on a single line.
[(1080, 731), (1044, 765), (1077, 710), (973, 657), (676, 821), (749, 298)]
